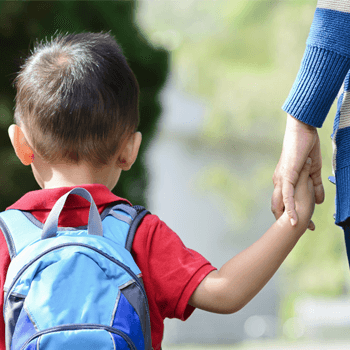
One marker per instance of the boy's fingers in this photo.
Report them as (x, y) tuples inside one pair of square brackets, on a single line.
[(319, 193), (311, 226), (288, 192)]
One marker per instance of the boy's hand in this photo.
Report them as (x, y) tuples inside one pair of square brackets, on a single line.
[(305, 196)]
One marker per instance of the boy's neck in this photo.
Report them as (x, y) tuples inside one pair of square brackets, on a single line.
[(67, 175)]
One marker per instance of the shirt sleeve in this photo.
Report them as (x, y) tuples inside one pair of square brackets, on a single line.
[(171, 271), (4, 264), (325, 63)]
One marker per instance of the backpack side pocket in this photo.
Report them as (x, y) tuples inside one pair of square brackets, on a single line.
[(12, 311)]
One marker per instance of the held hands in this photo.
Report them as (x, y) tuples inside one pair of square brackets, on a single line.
[(300, 142), (305, 196)]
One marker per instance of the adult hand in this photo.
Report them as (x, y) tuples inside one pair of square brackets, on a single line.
[(300, 142), (304, 196)]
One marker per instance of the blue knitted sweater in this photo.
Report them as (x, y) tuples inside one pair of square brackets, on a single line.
[(324, 72)]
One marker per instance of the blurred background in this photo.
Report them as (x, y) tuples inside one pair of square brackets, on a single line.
[(213, 77)]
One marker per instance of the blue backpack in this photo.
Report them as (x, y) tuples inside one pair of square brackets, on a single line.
[(74, 288)]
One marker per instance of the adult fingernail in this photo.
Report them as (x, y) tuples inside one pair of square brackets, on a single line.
[(309, 160), (293, 222)]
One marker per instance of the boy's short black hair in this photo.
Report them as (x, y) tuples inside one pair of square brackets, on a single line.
[(77, 98)]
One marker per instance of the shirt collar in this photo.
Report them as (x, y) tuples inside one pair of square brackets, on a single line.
[(46, 198)]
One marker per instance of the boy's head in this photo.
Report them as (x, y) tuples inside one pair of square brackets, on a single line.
[(77, 99)]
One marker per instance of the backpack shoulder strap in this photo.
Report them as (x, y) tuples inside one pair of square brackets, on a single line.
[(19, 230), (8, 237), (133, 217), (141, 213)]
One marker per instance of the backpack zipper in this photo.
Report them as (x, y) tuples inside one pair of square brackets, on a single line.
[(81, 326), (126, 268)]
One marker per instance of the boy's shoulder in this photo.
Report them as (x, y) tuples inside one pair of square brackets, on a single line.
[(153, 233), (40, 202)]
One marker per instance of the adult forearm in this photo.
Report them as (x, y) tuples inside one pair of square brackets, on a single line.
[(253, 268)]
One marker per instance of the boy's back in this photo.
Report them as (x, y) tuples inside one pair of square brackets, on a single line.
[(170, 271)]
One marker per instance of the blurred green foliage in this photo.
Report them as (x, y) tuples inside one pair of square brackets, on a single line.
[(242, 58), (21, 23)]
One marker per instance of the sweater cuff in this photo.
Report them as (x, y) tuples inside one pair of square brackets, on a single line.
[(320, 77)]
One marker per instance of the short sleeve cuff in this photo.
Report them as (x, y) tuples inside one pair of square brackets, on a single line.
[(183, 309), (320, 77)]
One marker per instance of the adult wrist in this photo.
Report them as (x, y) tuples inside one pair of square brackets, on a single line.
[(296, 122)]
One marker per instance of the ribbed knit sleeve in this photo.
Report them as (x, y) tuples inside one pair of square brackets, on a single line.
[(325, 63)]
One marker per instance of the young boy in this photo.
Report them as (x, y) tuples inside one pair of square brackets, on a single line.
[(76, 115)]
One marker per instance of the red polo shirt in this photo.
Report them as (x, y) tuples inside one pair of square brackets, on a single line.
[(171, 272)]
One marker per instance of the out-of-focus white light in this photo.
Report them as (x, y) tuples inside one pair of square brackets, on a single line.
[(294, 328), (255, 326)]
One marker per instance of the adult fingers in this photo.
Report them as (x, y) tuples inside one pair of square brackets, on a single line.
[(304, 175), (277, 205), (305, 171), (315, 173), (318, 188), (289, 183)]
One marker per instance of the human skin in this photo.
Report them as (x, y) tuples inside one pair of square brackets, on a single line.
[(63, 174), (229, 289), (300, 142), (243, 276)]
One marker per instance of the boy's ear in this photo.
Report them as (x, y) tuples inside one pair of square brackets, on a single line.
[(20, 145), (130, 151)]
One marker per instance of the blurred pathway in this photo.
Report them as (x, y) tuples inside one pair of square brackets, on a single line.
[(268, 345)]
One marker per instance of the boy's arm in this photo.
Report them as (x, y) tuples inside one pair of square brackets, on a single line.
[(241, 278), (229, 289)]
